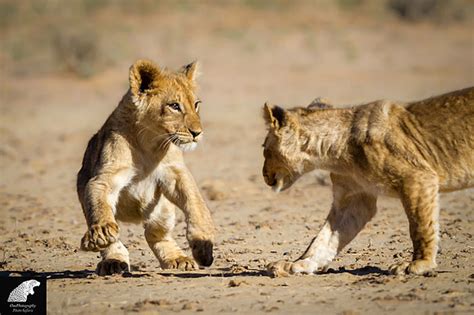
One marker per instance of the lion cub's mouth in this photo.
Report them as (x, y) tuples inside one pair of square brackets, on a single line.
[(187, 146), (280, 185), (184, 145)]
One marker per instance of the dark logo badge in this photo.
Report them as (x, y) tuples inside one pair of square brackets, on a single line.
[(22, 295)]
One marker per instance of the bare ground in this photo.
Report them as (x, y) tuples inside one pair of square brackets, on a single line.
[(287, 56)]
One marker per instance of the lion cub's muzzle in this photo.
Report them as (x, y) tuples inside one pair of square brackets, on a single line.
[(202, 252), (269, 179)]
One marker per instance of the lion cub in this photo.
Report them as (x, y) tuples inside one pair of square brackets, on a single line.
[(133, 170), (411, 151)]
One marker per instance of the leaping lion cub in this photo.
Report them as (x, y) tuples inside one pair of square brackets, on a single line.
[(133, 170), (411, 151)]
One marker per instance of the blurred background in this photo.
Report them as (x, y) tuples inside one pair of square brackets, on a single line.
[(85, 39), (64, 67)]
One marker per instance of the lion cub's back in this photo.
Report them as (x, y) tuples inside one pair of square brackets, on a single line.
[(89, 160), (447, 125), (446, 112), (92, 157)]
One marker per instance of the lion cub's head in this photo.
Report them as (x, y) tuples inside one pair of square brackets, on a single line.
[(285, 146), (167, 107)]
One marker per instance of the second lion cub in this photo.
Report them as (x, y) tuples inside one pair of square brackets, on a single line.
[(411, 151)]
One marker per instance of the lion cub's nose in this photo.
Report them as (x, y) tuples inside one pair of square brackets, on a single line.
[(269, 180), (195, 133)]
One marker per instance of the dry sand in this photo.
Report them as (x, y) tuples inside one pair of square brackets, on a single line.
[(288, 57)]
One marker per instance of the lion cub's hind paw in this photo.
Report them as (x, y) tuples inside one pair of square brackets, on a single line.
[(284, 268), (180, 263), (100, 236), (416, 267), (279, 268), (112, 266)]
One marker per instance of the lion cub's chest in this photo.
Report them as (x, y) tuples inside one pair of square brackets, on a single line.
[(139, 196), (143, 189)]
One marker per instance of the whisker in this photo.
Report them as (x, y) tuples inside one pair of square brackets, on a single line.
[(164, 143), (168, 137), (168, 141), (292, 175), (154, 131)]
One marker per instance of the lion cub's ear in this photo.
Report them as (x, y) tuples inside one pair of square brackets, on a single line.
[(143, 76), (191, 70), (320, 103), (275, 116)]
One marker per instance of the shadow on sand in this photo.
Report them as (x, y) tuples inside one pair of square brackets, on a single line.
[(364, 271), (227, 272), (216, 273), (67, 274)]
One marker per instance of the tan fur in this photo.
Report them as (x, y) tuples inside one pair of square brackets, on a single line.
[(133, 170), (411, 151)]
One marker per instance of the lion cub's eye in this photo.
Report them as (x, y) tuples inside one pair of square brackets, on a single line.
[(196, 105), (175, 106)]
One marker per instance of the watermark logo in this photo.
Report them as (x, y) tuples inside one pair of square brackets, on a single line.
[(19, 295), (21, 292)]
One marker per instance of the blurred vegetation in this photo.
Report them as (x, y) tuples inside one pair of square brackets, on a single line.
[(435, 10), (43, 36), (85, 37), (349, 4)]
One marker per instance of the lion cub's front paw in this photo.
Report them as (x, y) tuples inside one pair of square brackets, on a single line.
[(202, 252), (284, 268), (417, 267), (99, 236), (112, 266), (180, 263)]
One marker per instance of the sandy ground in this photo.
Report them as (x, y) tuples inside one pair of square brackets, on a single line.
[(286, 57)]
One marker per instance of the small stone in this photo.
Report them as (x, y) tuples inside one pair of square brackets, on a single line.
[(236, 283), (187, 306)]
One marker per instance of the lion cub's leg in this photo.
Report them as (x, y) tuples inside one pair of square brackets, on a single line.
[(179, 187), (420, 200), (115, 259), (158, 233), (350, 211), (99, 199)]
